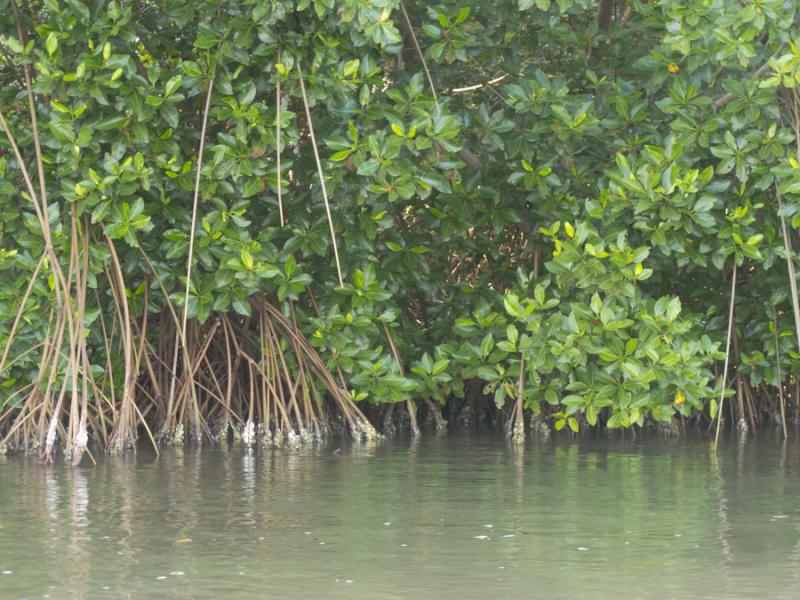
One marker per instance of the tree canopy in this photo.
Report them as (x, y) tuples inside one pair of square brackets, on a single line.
[(549, 204)]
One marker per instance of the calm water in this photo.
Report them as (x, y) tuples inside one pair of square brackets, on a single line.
[(443, 517)]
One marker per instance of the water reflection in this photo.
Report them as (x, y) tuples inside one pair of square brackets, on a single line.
[(723, 526), (78, 564), (438, 516)]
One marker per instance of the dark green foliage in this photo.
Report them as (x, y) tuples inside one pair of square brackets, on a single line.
[(569, 197)]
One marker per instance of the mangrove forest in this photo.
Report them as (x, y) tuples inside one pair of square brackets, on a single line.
[(270, 221)]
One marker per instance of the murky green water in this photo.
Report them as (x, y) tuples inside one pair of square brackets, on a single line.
[(444, 517)]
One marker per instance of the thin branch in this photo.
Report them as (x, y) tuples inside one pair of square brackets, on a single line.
[(321, 180), (787, 246), (278, 141), (778, 376), (181, 333), (469, 158), (419, 53), (478, 86), (195, 203), (727, 355)]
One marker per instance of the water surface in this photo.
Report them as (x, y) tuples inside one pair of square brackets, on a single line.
[(440, 517)]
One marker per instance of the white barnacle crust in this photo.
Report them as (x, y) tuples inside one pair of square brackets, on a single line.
[(178, 435), (82, 438), (51, 434), (249, 433)]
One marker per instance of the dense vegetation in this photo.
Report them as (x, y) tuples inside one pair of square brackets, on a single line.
[(274, 218)]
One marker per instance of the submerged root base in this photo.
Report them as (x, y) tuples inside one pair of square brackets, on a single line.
[(257, 381), (539, 428), (671, 428), (517, 433), (172, 435)]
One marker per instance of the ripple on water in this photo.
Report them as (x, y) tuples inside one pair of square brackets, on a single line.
[(544, 504)]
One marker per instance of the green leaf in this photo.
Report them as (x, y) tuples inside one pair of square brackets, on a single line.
[(252, 187), (755, 240), (512, 334), (462, 15), (440, 366), (290, 266), (112, 122), (674, 309), (596, 304), (14, 45), (205, 42), (248, 94), (242, 307), (486, 345), (341, 155), (571, 323), (51, 43), (247, 259), (172, 85)]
